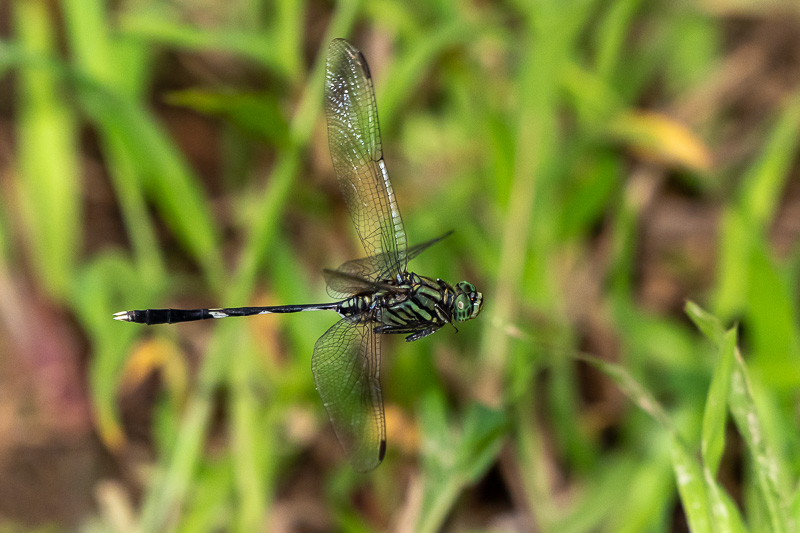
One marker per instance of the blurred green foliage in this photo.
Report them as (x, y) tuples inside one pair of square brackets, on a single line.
[(522, 125)]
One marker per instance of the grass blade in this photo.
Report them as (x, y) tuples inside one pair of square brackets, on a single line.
[(49, 186), (714, 416), (766, 466)]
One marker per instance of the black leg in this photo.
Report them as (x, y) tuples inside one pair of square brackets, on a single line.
[(423, 333), (394, 329)]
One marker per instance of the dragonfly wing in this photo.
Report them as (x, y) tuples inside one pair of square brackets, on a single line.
[(341, 284), (346, 367), (352, 277), (417, 249), (354, 139)]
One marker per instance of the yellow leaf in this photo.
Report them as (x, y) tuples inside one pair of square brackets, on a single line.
[(660, 138), (153, 355)]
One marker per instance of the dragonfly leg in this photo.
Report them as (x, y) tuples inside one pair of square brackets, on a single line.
[(416, 332), (423, 333), (394, 329)]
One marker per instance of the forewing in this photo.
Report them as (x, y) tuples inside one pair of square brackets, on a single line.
[(342, 284), (354, 139), (344, 281), (346, 367), (417, 249)]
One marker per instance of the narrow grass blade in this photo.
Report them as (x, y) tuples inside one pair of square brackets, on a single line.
[(744, 223), (453, 458), (772, 319), (106, 71), (256, 114), (707, 507), (49, 185), (634, 390), (154, 27), (98, 288), (210, 508), (707, 323), (692, 488), (725, 515), (248, 447), (766, 466), (714, 416)]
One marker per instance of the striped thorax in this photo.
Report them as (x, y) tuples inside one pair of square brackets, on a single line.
[(414, 304)]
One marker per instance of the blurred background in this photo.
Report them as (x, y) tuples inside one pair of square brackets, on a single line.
[(604, 163)]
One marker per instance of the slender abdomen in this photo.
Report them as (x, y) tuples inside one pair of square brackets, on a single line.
[(361, 305), (173, 316)]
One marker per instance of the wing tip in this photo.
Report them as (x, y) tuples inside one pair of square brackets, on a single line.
[(382, 450), (365, 464), (344, 44), (352, 51), (363, 61)]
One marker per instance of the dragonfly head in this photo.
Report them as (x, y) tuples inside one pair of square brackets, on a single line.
[(468, 302)]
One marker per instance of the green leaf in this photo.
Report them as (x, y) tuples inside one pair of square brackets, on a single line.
[(634, 390), (157, 26), (482, 436), (704, 502), (691, 487), (105, 285), (714, 416), (248, 445), (452, 459), (736, 238), (772, 318), (709, 324), (256, 114), (47, 147), (794, 508), (210, 507), (764, 181), (768, 470), (726, 516), (743, 225)]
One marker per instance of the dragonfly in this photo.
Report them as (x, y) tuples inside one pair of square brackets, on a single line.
[(376, 294)]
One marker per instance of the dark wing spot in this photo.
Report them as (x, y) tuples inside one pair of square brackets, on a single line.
[(382, 450), (363, 61)]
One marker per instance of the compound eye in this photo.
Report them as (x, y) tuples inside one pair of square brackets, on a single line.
[(465, 286), (462, 305)]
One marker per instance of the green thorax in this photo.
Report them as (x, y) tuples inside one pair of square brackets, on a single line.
[(412, 301)]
